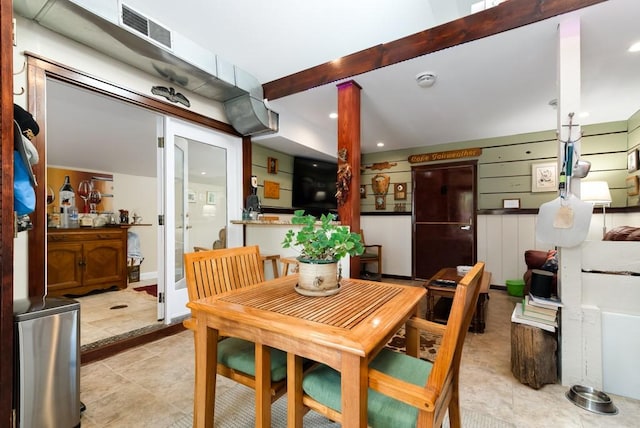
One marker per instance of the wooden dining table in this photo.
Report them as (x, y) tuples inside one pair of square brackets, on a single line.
[(344, 331)]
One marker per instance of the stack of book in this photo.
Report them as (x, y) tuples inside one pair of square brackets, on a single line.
[(537, 312)]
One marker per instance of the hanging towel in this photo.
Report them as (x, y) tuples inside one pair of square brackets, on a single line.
[(133, 248)]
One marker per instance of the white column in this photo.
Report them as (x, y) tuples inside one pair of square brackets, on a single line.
[(569, 275)]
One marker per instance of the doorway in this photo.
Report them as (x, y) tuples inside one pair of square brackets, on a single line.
[(444, 217), (118, 138)]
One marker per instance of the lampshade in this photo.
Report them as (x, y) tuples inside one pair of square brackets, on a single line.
[(596, 192)]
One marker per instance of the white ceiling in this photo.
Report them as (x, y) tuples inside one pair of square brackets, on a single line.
[(492, 87)]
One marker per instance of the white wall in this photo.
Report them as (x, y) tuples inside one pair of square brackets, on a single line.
[(601, 318), (137, 194), (502, 240), (33, 38)]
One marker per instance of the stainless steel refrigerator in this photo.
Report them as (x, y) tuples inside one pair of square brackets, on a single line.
[(47, 363)]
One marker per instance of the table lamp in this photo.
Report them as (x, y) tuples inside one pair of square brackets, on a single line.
[(597, 192)]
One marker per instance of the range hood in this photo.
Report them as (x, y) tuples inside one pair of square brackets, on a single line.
[(115, 29)]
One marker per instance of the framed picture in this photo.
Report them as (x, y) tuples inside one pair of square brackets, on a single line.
[(381, 202), (544, 177), (363, 191), (211, 198), (191, 196), (633, 187), (271, 190), (510, 203), (400, 191), (632, 161), (272, 165)]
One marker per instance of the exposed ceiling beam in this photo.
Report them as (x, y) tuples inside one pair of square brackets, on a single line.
[(506, 16)]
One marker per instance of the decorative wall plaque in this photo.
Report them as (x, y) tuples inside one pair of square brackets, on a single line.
[(380, 184), (271, 190), (400, 191), (381, 202), (448, 155)]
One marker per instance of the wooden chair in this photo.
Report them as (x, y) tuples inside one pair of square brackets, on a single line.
[(405, 391), (286, 261), (372, 254), (210, 272), (221, 242)]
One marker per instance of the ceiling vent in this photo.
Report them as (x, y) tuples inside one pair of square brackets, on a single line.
[(127, 35), (145, 26)]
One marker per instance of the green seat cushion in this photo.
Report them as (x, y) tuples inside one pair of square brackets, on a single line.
[(240, 355), (323, 384)]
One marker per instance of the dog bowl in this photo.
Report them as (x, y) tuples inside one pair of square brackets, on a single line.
[(591, 399)]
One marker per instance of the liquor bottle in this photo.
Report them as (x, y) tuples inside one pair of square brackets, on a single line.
[(67, 195)]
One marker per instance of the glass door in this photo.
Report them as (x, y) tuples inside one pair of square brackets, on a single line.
[(202, 172)]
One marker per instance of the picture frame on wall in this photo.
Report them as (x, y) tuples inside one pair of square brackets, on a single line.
[(272, 165), (511, 203), (363, 191), (544, 177), (632, 161), (400, 191), (211, 198)]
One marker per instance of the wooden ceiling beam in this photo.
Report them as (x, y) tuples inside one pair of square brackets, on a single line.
[(506, 16)]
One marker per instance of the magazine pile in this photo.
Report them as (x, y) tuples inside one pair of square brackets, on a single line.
[(537, 312)]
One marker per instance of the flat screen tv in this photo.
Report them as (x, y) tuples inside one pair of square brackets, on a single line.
[(314, 185)]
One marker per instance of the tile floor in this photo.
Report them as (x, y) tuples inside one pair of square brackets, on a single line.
[(152, 385), (112, 313)]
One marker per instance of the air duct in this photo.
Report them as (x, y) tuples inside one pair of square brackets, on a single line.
[(117, 30)]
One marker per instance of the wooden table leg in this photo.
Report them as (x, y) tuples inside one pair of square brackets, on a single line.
[(206, 350), (295, 409), (263, 385), (430, 306), (354, 388)]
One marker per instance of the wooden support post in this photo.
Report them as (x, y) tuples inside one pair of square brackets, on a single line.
[(349, 140), (533, 355)]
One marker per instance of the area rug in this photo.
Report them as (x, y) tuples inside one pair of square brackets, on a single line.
[(149, 289), (429, 344), (235, 409)]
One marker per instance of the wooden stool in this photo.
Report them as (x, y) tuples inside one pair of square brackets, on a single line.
[(286, 261), (533, 355), (274, 262)]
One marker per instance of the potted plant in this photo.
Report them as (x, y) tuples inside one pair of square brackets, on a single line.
[(321, 243)]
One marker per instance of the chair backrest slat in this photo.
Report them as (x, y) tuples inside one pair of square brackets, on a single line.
[(215, 271), (462, 309)]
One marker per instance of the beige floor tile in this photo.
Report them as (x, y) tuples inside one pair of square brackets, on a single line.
[(152, 385)]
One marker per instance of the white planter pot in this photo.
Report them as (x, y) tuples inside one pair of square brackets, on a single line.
[(318, 278)]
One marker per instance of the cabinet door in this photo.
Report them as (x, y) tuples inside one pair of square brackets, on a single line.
[(64, 266), (104, 262)]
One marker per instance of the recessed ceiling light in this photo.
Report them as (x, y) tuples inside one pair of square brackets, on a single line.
[(635, 47), (380, 144), (203, 173), (333, 115)]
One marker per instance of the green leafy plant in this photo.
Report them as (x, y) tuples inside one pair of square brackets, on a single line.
[(323, 239)]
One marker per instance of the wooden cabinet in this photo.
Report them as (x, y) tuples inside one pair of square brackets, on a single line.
[(83, 260)]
